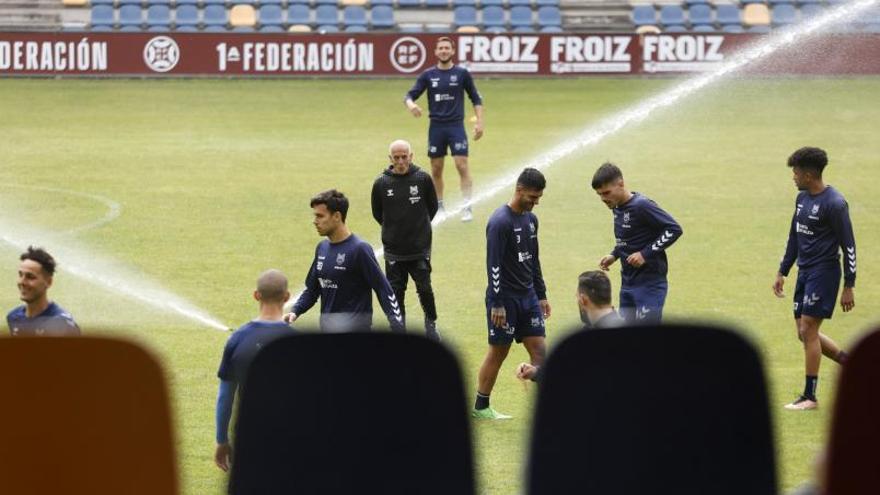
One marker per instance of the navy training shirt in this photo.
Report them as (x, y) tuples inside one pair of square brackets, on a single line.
[(343, 275), (53, 321), (640, 225), (446, 89), (820, 228), (244, 344), (512, 264)]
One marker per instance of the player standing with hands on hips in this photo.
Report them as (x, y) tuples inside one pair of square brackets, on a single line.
[(446, 84)]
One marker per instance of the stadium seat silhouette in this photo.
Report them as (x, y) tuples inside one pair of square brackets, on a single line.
[(270, 15), (130, 16), (299, 14), (493, 16), (784, 14), (700, 15), (644, 15), (671, 15), (382, 17), (102, 15), (853, 456), (549, 17), (327, 15), (672, 409), (465, 16), (728, 15), (214, 18), (354, 15), (159, 16), (353, 413), (186, 17), (521, 17), (84, 416)]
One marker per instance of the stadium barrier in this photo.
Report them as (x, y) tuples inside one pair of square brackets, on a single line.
[(359, 55)]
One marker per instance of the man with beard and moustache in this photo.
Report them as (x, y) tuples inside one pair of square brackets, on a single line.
[(516, 296), (820, 230), (404, 203), (38, 316), (446, 84), (643, 231), (343, 274), (594, 304)]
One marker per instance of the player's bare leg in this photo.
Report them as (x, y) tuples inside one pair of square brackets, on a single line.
[(467, 184), (486, 382), (808, 333), (437, 175), (537, 349)]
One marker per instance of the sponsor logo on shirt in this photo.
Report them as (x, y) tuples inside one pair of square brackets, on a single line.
[(390, 193), (326, 283), (414, 195), (804, 229), (524, 256), (443, 97)]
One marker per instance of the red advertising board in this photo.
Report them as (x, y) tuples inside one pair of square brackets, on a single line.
[(346, 55)]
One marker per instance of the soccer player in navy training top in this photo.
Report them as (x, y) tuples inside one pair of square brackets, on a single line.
[(643, 232), (404, 203), (343, 273), (242, 348), (820, 229), (38, 316), (446, 84), (516, 296)]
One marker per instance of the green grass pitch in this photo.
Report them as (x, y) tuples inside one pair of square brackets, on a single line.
[(213, 178)]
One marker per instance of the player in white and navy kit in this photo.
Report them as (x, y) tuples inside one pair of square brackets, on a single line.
[(241, 349), (820, 230), (643, 231), (516, 296), (38, 316), (446, 84), (343, 274)]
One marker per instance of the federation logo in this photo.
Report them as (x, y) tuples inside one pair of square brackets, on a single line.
[(161, 54), (408, 54)]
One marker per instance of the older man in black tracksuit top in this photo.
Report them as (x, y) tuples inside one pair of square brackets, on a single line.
[(404, 203)]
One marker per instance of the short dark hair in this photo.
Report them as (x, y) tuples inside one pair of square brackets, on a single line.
[(46, 261), (333, 200), (606, 174), (532, 178), (447, 39), (809, 158), (596, 286)]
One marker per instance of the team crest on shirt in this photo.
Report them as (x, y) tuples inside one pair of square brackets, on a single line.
[(319, 265), (413, 190), (453, 78), (340, 259), (532, 226), (626, 217), (814, 211)]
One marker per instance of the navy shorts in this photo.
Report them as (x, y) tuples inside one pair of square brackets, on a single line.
[(524, 319), (447, 135), (815, 293), (643, 304)]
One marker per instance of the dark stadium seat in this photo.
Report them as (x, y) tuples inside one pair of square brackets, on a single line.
[(644, 15), (272, 2), (783, 14), (409, 3), (853, 456), (299, 14), (128, 2), (780, 2), (700, 15), (464, 3), (131, 16), (465, 16), (102, 16), (214, 17), (354, 15), (382, 17), (326, 15), (353, 413), (727, 14), (434, 4), (493, 16), (671, 409), (297, 2), (158, 15), (166, 3), (84, 415), (671, 15), (521, 17), (187, 2), (186, 16), (695, 2), (549, 16), (101, 2), (270, 15), (811, 10)]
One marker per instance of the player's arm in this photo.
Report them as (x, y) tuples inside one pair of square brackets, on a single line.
[(843, 230), (788, 259), (413, 94), (497, 234), (379, 283), (477, 101), (538, 281), (309, 296), (225, 398), (430, 196), (669, 230), (376, 200)]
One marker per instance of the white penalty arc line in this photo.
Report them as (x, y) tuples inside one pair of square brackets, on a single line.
[(114, 209), (609, 126)]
